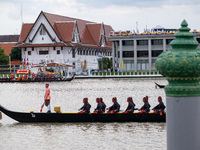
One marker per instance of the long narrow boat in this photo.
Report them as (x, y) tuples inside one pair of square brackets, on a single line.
[(3, 80), (36, 117)]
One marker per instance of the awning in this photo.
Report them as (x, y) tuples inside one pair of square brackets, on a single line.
[(23, 71), (52, 65)]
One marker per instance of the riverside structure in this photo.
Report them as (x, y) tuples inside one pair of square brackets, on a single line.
[(139, 51), (59, 39)]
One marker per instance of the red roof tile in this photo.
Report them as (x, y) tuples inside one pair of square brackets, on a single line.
[(25, 30), (65, 30), (7, 47)]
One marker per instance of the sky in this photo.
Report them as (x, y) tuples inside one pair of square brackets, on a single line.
[(120, 14)]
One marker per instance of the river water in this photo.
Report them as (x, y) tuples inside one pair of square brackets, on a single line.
[(26, 97)]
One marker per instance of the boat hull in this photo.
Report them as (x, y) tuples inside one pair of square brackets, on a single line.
[(75, 117)]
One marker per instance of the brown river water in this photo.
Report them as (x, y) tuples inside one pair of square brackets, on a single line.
[(26, 97)]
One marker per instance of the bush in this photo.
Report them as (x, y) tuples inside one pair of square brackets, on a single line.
[(112, 73), (140, 73), (144, 73), (124, 73), (132, 73), (148, 73), (136, 73)]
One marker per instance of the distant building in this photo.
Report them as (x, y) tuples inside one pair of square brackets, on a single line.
[(7, 42), (139, 51), (60, 39)]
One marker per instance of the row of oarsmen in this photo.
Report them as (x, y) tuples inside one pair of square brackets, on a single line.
[(101, 107)]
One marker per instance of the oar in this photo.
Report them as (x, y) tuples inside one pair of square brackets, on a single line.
[(42, 107), (0, 115)]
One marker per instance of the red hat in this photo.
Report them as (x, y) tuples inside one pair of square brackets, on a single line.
[(47, 84)]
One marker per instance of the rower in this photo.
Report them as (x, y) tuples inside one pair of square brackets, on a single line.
[(98, 109), (103, 104), (86, 107), (115, 107), (160, 107), (131, 106), (146, 107)]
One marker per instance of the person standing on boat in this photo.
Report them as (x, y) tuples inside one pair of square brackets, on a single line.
[(131, 106), (160, 107), (103, 104), (115, 107), (47, 98), (146, 107), (98, 109), (86, 107)]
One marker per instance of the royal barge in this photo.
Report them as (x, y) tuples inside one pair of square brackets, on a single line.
[(66, 117)]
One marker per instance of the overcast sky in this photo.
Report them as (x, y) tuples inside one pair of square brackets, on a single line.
[(120, 14)]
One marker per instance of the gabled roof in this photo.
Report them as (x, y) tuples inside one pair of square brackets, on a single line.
[(95, 31), (89, 32), (64, 30), (25, 30), (9, 38)]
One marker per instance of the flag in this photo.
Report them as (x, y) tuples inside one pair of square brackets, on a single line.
[(31, 65)]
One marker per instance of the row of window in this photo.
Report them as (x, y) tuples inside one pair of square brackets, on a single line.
[(130, 54), (141, 65), (144, 42), (46, 52), (80, 52)]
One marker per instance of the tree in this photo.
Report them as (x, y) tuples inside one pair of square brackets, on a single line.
[(107, 63), (15, 54), (4, 59)]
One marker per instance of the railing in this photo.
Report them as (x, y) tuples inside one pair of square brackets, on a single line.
[(139, 73)]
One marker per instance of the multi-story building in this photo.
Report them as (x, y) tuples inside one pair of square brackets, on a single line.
[(60, 39), (138, 51)]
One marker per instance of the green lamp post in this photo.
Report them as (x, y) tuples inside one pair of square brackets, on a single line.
[(181, 67)]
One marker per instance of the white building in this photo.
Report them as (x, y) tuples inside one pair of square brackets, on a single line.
[(139, 51), (60, 39)]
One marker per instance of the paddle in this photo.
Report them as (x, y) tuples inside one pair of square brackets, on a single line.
[(0, 115), (42, 107)]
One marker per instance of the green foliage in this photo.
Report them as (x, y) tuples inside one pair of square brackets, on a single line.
[(16, 54), (107, 63), (4, 59)]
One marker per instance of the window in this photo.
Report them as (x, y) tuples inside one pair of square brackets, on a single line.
[(42, 31), (73, 53), (32, 48), (142, 65), (168, 41), (128, 53), (61, 47), (142, 42), (156, 53), (142, 54), (127, 42), (54, 48), (157, 42), (58, 52), (29, 52), (43, 52)]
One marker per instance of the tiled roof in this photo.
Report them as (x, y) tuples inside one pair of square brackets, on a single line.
[(7, 47), (64, 26), (65, 30), (25, 30), (9, 38)]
